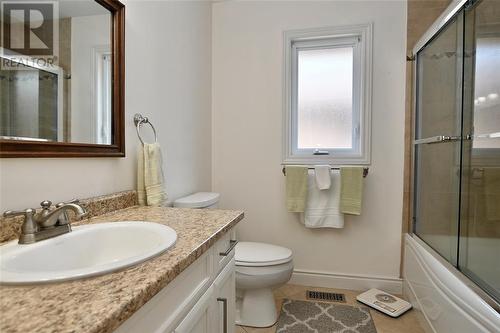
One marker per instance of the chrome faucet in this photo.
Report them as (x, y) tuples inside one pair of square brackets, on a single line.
[(48, 222)]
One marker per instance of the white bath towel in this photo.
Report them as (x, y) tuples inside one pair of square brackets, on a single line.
[(150, 182), (322, 175), (323, 206)]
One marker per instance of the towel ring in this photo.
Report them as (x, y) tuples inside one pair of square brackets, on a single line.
[(138, 121)]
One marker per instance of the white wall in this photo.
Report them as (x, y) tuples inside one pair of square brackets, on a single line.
[(169, 80), (168, 56), (247, 132)]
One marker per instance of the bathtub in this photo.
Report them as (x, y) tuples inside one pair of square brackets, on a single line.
[(444, 299)]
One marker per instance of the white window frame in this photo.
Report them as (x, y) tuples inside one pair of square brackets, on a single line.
[(360, 38)]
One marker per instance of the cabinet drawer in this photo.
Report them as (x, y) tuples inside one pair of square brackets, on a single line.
[(224, 250), (163, 312)]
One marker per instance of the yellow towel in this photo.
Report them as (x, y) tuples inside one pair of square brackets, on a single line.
[(150, 187), (351, 190), (296, 188)]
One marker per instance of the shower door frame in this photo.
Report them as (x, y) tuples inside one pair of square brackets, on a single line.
[(449, 13)]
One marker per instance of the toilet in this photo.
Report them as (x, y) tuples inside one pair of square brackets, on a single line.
[(198, 200), (260, 268)]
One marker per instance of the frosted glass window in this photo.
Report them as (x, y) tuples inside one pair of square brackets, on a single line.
[(325, 98), (327, 86)]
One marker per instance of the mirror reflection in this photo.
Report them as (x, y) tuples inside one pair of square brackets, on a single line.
[(56, 73)]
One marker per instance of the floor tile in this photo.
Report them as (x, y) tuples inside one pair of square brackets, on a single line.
[(407, 323)]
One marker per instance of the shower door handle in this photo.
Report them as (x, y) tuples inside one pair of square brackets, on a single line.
[(437, 139)]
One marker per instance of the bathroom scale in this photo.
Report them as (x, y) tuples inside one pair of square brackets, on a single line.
[(389, 304)]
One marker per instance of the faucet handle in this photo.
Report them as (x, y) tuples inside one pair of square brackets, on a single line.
[(29, 226), (26, 212)]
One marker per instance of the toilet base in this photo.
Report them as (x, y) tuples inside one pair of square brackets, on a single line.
[(256, 308)]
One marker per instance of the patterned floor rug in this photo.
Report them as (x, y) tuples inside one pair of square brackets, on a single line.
[(317, 317)]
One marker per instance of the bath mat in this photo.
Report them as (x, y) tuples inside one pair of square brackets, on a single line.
[(319, 317)]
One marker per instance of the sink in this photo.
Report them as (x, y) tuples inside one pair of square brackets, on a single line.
[(88, 250)]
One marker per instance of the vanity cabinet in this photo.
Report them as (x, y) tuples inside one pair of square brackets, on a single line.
[(199, 300)]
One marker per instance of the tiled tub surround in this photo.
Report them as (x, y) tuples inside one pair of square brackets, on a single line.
[(10, 228), (102, 303)]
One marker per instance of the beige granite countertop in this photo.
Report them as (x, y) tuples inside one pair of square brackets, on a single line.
[(102, 303)]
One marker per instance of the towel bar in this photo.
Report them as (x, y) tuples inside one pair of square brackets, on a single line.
[(365, 170)]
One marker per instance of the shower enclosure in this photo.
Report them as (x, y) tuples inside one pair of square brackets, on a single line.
[(456, 195)]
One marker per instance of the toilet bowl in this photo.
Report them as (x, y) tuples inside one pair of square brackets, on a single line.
[(260, 268)]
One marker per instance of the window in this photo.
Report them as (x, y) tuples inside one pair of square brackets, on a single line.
[(328, 96)]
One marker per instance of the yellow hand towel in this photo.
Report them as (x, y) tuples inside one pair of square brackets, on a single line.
[(150, 176), (296, 188), (351, 190)]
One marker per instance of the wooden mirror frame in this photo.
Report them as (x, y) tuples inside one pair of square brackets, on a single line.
[(13, 148)]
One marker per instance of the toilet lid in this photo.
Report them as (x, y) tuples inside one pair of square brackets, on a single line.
[(261, 254), (197, 200)]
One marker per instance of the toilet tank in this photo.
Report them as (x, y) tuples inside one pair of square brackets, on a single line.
[(198, 200)]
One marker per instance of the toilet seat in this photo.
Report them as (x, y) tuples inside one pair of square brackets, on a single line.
[(260, 268), (253, 254)]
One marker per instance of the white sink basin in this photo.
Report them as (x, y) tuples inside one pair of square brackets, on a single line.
[(88, 250)]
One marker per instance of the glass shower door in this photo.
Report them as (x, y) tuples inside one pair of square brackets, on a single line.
[(457, 144), (437, 140), (479, 253)]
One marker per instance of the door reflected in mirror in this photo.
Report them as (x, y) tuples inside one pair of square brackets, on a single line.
[(56, 75)]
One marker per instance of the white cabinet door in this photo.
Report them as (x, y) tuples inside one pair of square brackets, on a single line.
[(201, 317), (225, 291), (165, 310), (199, 300)]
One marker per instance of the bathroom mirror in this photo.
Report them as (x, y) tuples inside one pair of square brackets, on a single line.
[(62, 78)]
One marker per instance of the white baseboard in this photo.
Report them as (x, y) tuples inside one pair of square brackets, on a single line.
[(345, 281)]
